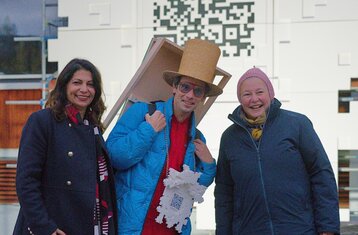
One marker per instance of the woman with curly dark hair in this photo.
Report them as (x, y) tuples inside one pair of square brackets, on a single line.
[(58, 97), (64, 179)]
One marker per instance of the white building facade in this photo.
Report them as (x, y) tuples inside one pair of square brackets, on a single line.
[(308, 48)]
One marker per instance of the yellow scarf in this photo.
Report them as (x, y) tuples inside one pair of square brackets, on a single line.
[(256, 131)]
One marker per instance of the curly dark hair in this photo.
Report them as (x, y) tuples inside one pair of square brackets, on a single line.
[(58, 99)]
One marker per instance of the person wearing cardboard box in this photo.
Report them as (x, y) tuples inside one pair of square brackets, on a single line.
[(145, 147)]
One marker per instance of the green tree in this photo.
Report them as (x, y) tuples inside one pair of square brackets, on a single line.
[(7, 28)]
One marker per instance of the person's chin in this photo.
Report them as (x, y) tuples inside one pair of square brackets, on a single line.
[(187, 109), (82, 106), (255, 115)]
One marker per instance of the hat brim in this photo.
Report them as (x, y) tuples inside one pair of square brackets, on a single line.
[(169, 77)]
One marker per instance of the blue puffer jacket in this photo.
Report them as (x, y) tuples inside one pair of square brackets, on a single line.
[(138, 154), (283, 184)]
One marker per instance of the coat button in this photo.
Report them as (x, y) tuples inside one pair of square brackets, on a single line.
[(69, 124), (29, 230), (70, 154), (68, 182)]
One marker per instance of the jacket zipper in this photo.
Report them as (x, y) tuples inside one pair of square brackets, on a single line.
[(164, 165), (151, 200), (257, 147)]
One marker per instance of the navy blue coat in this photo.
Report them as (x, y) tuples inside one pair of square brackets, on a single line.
[(284, 184), (56, 177)]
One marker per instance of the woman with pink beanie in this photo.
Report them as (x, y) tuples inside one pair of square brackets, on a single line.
[(273, 174)]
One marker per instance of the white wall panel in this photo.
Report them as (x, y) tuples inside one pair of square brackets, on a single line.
[(317, 10), (97, 14), (213, 125), (314, 65), (307, 47)]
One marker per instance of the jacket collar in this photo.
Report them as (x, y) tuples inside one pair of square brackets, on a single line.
[(169, 112), (272, 112)]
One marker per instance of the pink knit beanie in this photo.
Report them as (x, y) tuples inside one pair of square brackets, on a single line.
[(256, 72)]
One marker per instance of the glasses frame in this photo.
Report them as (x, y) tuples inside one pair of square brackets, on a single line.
[(194, 87)]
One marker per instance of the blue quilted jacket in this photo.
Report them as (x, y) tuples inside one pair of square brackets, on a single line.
[(138, 154)]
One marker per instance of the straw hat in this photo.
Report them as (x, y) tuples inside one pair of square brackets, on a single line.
[(198, 62)]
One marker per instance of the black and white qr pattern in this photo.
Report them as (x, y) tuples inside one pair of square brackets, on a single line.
[(177, 201), (228, 23)]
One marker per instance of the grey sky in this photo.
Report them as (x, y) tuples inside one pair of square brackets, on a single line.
[(25, 14)]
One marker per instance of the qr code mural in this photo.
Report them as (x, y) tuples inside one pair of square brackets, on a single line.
[(228, 23)]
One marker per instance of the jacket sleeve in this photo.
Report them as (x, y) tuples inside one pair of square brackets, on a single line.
[(207, 170), (131, 138), (30, 165), (224, 204), (323, 183)]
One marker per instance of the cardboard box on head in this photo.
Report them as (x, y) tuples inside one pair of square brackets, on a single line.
[(148, 85)]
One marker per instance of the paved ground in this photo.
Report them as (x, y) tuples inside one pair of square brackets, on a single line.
[(8, 214), (349, 229)]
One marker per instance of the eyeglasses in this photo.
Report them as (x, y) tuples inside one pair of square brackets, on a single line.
[(198, 91)]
